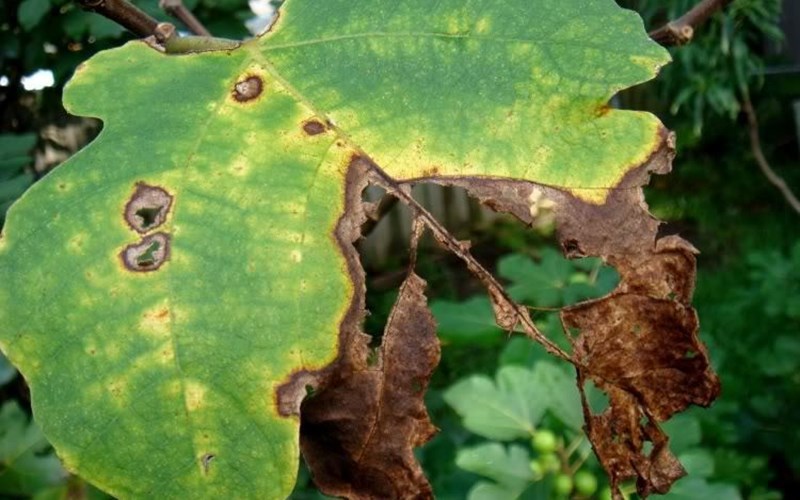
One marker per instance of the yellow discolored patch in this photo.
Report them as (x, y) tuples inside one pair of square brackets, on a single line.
[(111, 351), (240, 166), (483, 25), (195, 395), (166, 354), (296, 256), (117, 388), (76, 243), (594, 196), (156, 321)]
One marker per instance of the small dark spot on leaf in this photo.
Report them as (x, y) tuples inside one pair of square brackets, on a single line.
[(206, 460), (147, 255), (313, 127), (603, 110), (248, 88), (148, 207), (430, 172), (62, 186)]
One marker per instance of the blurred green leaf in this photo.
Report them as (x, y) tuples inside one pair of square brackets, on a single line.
[(513, 406), (683, 431), (30, 12), (469, 322), (27, 463), (697, 462), (7, 370), (696, 488), (508, 467), (11, 189), (554, 281)]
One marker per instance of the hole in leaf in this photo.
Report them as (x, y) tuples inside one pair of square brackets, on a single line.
[(310, 391), (572, 248), (206, 460), (147, 208), (147, 255), (597, 399), (148, 215)]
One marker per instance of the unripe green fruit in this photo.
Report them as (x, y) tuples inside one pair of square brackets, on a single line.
[(537, 470), (562, 484), (550, 462), (544, 441), (585, 483)]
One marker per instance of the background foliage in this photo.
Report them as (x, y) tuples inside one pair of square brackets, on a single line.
[(748, 293)]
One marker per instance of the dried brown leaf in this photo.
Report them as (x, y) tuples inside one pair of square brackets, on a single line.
[(358, 434), (639, 344)]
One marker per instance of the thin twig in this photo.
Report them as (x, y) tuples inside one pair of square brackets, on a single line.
[(761, 160), (681, 30), (494, 288), (123, 13), (176, 9)]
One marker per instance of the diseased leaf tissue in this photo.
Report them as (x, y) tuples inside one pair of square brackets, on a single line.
[(171, 293)]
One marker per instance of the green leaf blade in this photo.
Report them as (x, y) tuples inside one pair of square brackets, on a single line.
[(459, 95), (179, 365)]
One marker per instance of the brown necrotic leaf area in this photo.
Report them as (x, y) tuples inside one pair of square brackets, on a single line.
[(314, 127), (147, 208), (358, 435), (148, 254), (247, 88), (640, 343)]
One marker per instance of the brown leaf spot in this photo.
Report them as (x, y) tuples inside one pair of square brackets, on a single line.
[(357, 435), (147, 255), (247, 88), (147, 208), (430, 172), (603, 110), (313, 127)]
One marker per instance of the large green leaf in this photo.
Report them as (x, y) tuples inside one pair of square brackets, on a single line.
[(159, 287), (509, 468), (512, 407)]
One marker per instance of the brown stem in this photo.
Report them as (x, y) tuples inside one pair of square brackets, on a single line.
[(176, 9), (125, 14), (500, 298), (681, 30), (761, 160)]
